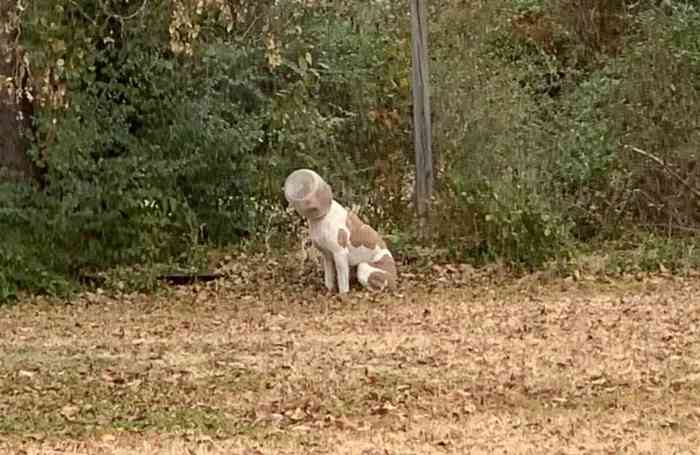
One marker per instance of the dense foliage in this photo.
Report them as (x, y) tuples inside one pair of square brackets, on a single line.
[(542, 120), (170, 124), (164, 126)]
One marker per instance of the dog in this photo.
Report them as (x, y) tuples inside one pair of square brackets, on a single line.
[(344, 240)]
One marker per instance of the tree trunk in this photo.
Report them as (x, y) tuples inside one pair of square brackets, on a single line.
[(15, 112)]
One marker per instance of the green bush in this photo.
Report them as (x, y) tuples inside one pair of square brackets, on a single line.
[(27, 259), (164, 128), (534, 127), (151, 153), (508, 220)]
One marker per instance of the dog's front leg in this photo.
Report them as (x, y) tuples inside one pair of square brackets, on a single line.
[(329, 277), (342, 268)]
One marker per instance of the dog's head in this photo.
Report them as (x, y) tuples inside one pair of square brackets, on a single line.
[(308, 193)]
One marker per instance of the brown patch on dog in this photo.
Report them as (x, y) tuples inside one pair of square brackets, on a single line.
[(385, 263), (377, 281), (387, 276), (362, 234), (343, 238)]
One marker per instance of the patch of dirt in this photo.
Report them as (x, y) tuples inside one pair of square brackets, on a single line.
[(264, 361)]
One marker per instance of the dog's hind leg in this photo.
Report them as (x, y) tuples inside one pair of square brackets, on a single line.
[(377, 275)]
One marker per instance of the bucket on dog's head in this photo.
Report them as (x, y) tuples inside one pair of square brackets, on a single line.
[(300, 184), (308, 193)]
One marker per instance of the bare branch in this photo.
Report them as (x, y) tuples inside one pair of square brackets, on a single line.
[(667, 168), (250, 27), (119, 17), (676, 227), (137, 12), (92, 20)]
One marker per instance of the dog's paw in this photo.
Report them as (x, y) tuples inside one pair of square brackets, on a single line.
[(327, 293)]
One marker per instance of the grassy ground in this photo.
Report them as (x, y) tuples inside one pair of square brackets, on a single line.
[(457, 361)]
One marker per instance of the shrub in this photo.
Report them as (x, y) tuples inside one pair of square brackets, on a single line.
[(172, 125), (535, 114), (144, 152)]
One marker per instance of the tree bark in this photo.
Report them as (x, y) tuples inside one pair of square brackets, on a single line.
[(15, 112)]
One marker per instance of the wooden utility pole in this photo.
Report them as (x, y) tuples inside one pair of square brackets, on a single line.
[(421, 113)]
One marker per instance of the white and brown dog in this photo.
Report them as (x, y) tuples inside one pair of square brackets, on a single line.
[(343, 239)]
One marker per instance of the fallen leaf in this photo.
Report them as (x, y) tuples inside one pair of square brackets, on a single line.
[(26, 374), (108, 438), (69, 412)]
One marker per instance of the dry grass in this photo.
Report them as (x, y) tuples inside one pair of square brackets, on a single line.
[(457, 362)]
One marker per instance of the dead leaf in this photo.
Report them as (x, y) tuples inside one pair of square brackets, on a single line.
[(26, 374), (297, 415), (69, 412), (107, 438)]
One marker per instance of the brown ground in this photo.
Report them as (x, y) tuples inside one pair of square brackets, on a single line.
[(456, 362)]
